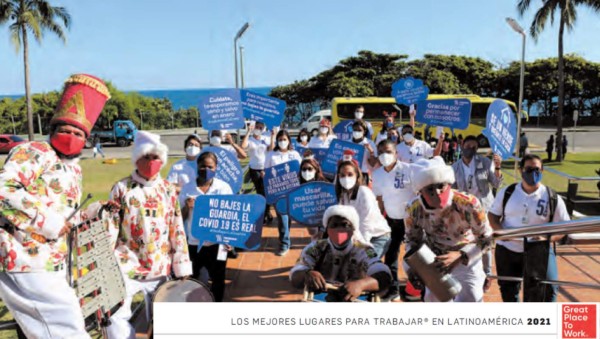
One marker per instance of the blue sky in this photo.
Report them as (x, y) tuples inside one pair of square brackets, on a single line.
[(179, 44)]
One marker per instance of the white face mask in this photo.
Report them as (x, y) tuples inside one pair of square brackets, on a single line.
[(348, 182), (386, 159), (324, 130), (408, 137), (283, 145), (303, 138), (359, 115), (192, 151), (357, 135), (215, 141), (257, 132), (308, 175)]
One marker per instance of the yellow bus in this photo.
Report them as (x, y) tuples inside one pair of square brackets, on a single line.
[(376, 108)]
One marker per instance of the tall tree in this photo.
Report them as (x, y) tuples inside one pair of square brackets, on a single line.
[(567, 10), (32, 17)]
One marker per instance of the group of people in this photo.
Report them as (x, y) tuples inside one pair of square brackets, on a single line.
[(402, 193)]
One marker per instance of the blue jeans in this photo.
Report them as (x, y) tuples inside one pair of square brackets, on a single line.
[(380, 244), (283, 225), (509, 263)]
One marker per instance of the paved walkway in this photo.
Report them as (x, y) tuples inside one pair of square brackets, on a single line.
[(262, 276)]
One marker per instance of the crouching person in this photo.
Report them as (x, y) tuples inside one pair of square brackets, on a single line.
[(452, 224), (340, 259), (151, 238)]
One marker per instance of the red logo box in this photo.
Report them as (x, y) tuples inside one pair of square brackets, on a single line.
[(579, 321)]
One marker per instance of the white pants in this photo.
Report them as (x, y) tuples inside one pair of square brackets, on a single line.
[(471, 279), (43, 304), (120, 328)]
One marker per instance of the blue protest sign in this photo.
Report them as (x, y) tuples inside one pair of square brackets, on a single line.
[(263, 108), (318, 153), (453, 113), (307, 204), (408, 91), (228, 167), (501, 128), (221, 110), (335, 153), (343, 130), (234, 220), (280, 179)]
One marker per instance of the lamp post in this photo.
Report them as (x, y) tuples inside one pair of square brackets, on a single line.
[(242, 65), (575, 118), (235, 61), (517, 28)]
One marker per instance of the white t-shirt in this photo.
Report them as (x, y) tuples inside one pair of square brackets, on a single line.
[(277, 157), (380, 137), (218, 187), (372, 223), (316, 142), (523, 210), (365, 164), (395, 188), (420, 149), (229, 148), (257, 151), (470, 179), (182, 172)]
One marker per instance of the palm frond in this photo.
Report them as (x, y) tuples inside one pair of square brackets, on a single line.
[(15, 36), (523, 6), (61, 13), (570, 15), (592, 4), (56, 29), (31, 21), (541, 17)]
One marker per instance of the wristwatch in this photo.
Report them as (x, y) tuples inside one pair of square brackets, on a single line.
[(464, 259)]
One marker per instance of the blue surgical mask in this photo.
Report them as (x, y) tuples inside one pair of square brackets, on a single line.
[(205, 175), (532, 178), (393, 138)]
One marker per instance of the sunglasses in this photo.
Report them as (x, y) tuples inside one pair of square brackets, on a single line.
[(346, 225), (431, 189), (532, 169)]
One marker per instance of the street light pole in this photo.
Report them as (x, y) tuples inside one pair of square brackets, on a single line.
[(575, 118), (517, 28), (242, 65), (235, 59)]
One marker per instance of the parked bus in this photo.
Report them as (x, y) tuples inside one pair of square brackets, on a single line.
[(376, 109)]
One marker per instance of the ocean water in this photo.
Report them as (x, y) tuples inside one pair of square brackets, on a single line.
[(186, 98), (180, 98)]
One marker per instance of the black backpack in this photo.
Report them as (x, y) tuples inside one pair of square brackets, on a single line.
[(551, 193)]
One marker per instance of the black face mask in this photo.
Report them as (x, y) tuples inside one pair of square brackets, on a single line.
[(469, 153)]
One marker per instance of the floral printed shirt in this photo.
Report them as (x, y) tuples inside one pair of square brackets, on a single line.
[(38, 192), (460, 226), (151, 237)]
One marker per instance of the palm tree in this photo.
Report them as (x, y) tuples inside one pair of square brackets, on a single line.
[(32, 17), (568, 15)]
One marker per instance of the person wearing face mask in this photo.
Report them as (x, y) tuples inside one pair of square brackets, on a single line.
[(216, 140), (452, 224), (372, 226), (359, 114), (257, 144), (282, 152), (205, 184), (151, 242), (477, 175), (303, 138), (40, 185), (526, 204), (387, 126), (310, 171), (370, 155), (411, 149), (393, 189), (340, 259), (184, 170), (323, 140)]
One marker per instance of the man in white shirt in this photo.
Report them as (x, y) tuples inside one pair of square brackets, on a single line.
[(370, 154), (257, 145), (393, 189), (411, 149), (529, 203)]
